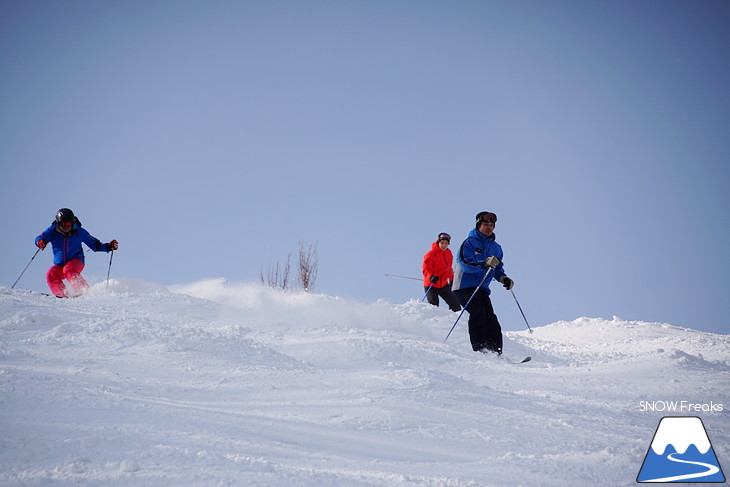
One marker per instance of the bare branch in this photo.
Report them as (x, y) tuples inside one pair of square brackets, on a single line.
[(308, 265), (277, 276)]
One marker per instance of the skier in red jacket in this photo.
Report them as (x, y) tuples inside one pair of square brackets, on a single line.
[(438, 273)]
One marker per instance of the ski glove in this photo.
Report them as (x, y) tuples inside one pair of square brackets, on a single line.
[(434, 279), (113, 245), (41, 244), (507, 282), (492, 262)]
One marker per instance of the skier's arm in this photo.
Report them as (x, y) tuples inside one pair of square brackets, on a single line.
[(469, 260), (95, 244), (499, 271), (45, 237)]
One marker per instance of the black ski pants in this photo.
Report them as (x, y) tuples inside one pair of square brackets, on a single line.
[(485, 331), (446, 293)]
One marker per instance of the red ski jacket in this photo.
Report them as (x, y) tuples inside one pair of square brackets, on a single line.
[(439, 263)]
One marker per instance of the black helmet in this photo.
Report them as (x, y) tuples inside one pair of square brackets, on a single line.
[(486, 216), (65, 215)]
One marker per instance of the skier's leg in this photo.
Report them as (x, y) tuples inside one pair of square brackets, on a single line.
[(72, 273), (432, 295), (450, 298), (54, 278), (477, 317), (493, 328)]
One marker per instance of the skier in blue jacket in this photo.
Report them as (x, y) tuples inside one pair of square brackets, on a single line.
[(66, 236), (475, 258)]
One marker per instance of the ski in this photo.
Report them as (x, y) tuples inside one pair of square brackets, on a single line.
[(41, 293), (29, 291), (524, 360), (507, 359)]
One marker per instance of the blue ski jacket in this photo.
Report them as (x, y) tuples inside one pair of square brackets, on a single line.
[(473, 252), (68, 246)]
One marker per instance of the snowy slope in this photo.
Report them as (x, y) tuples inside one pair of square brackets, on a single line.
[(217, 384)]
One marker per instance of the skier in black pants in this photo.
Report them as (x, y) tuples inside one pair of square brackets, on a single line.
[(480, 254), (438, 273)]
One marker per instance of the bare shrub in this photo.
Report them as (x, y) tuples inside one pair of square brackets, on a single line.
[(277, 275), (308, 265)]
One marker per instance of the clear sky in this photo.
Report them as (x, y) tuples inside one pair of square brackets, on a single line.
[(211, 137)]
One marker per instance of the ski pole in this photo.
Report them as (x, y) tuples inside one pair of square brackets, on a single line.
[(427, 291), (404, 277), (26, 268), (110, 268), (523, 313), (467, 303)]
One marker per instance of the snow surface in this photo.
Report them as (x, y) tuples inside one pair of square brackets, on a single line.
[(217, 384)]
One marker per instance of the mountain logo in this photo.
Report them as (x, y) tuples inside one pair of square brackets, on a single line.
[(680, 452)]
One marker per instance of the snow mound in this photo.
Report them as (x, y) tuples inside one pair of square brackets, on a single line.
[(595, 340), (270, 309)]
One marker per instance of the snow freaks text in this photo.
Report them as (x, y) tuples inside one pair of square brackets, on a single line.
[(680, 407)]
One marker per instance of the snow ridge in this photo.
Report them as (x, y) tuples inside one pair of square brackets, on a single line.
[(214, 383)]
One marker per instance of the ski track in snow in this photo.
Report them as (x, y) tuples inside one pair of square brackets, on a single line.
[(221, 384)]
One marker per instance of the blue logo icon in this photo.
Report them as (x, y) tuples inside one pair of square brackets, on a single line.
[(681, 452)]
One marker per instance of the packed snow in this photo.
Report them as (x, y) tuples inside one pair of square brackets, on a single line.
[(224, 384)]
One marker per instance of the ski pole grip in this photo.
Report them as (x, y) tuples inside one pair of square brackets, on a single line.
[(492, 262)]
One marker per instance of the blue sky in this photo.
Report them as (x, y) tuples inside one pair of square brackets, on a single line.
[(210, 138)]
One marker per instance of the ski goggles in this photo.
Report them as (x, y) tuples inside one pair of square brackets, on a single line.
[(486, 217), (444, 236)]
